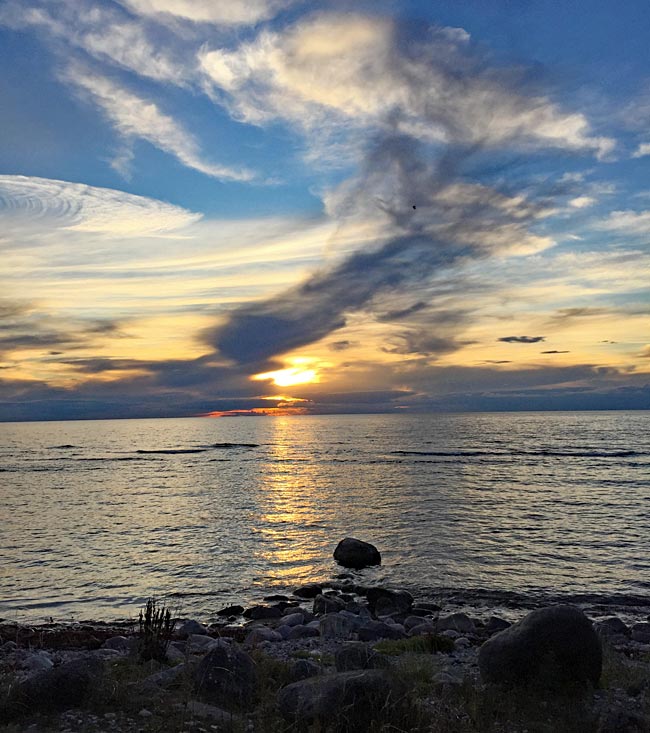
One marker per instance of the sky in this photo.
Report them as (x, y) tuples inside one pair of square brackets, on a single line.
[(284, 207)]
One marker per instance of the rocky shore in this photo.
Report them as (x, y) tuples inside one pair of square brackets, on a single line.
[(336, 656)]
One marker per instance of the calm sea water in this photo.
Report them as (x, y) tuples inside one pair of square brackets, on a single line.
[(99, 515)]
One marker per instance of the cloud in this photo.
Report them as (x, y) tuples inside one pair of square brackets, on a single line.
[(418, 244), (135, 117), (106, 34), (335, 70), (565, 316), (626, 222), (582, 202), (642, 150), (218, 12), (554, 351), (82, 208), (522, 339)]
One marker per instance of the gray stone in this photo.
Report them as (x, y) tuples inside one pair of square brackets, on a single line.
[(303, 632), (338, 625), (612, 626), (166, 678), (293, 619), (231, 611), (347, 701), (459, 622), (258, 634), (309, 590), (411, 622), (357, 655), (353, 553), (284, 631), (199, 642), (496, 624), (191, 627), (121, 643), (327, 604), (384, 602), (208, 712), (37, 662), (257, 613), (226, 676), (641, 632), (421, 629), (552, 647), (303, 669), (375, 630), (425, 606), (59, 688)]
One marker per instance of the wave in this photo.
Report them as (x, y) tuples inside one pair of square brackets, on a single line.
[(170, 451), (235, 445), (61, 447), (541, 452)]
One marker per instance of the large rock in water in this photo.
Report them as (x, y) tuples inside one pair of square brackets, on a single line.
[(353, 553), (554, 647)]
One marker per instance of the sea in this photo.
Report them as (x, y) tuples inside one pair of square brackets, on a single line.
[(498, 509)]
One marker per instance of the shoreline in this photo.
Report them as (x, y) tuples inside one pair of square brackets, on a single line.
[(297, 641)]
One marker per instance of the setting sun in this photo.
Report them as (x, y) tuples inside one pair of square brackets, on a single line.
[(289, 377)]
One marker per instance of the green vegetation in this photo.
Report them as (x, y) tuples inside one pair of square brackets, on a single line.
[(156, 627)]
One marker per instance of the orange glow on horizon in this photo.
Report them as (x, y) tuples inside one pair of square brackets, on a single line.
[(279, 411)]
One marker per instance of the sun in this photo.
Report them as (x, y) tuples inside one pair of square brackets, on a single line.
[(301, 373)]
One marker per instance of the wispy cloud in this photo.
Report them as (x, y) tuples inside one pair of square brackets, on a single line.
[(83, 208), (338, 69), (219, 12), (135, 117), (522, 339), (642, 150)]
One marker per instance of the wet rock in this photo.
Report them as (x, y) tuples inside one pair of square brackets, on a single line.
[(309, 590), (226, 676), (276, 597), (384, 602), (612, 626), (421, 606), (257, 613), (37, 662), (345, 700), (191, 627), (231, 611), (552, 647), (353, 553), (327, 604), (459, 622), (356, 655)]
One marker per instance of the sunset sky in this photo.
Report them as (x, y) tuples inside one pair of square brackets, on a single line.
[(254, 205)]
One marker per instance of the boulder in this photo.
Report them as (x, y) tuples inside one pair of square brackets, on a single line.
[(121, 643), (339, 625), (554, 647), (353, 553), (612, 626), (496, 624), (59, 688), (257, 613), (303, 632), (327, 604), (375, 630), (309, 590), (258, 634), (346, 701), (641, 632), (459, 622), (420, 629), (226, 676), (385, 602), (303, 669), (231, 611), (191, 627)]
